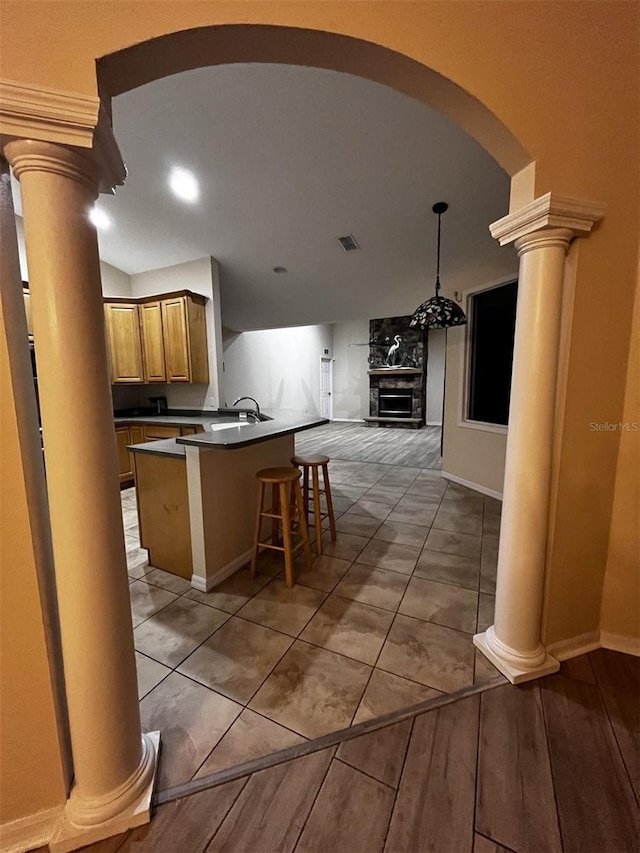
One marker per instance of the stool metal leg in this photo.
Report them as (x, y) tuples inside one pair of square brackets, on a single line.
[(286, 535), (317, 515), (327, 494), (303, 524), (256, 535)]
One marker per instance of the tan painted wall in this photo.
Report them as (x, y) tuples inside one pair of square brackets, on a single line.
[(31, 767), (621, 596), (470, 454), (549, 73)]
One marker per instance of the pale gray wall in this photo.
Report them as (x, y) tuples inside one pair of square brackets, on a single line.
[(279, 367), (350, 379), (435, 376)]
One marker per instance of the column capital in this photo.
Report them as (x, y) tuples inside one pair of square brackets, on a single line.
[(40, 113), (548, 238), (550, 211), (31, 155)]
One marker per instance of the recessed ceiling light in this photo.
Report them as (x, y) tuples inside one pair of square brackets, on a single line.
[(184, 184), (100, 219), (280, 270)]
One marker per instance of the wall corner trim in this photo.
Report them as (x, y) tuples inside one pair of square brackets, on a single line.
[(50, 115), (548, 211), (574, 646), (27, 833), (620, 643)]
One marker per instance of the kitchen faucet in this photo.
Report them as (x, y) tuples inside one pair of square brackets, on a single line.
[(252, 400)]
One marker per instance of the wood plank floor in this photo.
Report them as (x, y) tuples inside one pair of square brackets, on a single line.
[(541, 767), (418, 448)]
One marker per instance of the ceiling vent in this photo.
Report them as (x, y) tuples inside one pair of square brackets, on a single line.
[(348, 243)]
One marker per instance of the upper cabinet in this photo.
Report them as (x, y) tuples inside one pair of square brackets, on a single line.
[(185, 340), (160, 338), (123, 342)]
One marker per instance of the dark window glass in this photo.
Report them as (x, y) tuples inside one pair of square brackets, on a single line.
[(493, 322)]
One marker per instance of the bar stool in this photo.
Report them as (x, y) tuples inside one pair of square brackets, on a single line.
[(286, 508), (312, 462)]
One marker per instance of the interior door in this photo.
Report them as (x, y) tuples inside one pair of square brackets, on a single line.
[(326, 387)]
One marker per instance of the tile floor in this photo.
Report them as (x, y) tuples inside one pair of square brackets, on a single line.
[(382, 620)]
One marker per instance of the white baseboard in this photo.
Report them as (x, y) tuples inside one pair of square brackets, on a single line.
[(211, 581), (574, 646), (434, 423), (469, 485), (28, 832), (620, 643), (347, 420)]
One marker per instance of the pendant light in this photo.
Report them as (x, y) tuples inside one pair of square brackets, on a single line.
[(438, 312)]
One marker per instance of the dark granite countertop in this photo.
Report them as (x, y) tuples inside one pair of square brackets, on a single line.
[(162, 447), (222, 431), (246, 433)]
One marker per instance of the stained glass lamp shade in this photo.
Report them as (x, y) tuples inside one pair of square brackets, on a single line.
[(438, 312)]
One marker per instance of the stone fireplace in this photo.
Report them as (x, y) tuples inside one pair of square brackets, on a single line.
[(397, 374)]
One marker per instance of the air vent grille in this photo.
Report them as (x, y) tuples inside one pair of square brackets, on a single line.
[(348, 243)]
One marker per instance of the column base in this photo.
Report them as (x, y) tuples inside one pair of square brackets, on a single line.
[(516, 671), (70, 836)]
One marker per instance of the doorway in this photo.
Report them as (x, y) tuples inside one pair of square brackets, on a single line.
[(326, 387)]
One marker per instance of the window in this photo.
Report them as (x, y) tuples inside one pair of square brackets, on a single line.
[(492, 332)]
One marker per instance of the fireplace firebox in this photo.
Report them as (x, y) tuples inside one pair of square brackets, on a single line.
[(395, 402)]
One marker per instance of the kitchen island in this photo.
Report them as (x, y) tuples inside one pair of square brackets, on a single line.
[(197, 493)]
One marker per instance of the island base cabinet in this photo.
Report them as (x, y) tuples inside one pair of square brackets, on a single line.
[(163, 510)]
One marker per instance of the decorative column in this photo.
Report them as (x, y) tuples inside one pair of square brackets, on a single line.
[(542, 232), (114, 764)]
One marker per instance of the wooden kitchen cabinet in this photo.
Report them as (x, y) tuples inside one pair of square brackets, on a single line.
[(125, 459), (185, 339), (153, 342), (136, 434), (123, 342), (161, 338)]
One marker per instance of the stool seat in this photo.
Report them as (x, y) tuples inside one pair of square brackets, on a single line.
[(278, 475), (311, 465), (310, 459)]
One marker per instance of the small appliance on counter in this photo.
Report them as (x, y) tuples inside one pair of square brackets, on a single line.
[(158, 405)]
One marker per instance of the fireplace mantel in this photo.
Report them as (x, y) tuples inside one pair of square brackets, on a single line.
[(394, 371)]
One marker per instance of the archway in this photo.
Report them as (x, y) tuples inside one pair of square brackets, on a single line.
[(166, 54)]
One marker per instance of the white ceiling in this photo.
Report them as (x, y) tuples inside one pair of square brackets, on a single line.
[(289, 158)]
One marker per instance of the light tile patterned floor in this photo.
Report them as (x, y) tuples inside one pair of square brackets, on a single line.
[(382, 620)]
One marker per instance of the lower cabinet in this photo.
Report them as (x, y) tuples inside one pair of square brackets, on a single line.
[(125, 459), (127, 434)]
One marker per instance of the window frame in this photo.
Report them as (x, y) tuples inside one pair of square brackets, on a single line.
[(465, 359)]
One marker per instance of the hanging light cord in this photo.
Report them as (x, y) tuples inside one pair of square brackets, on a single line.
[(438, 258)]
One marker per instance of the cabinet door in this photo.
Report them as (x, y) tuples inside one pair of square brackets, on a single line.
[(123, 342), (152, 342), (125, 468), (176, 339), (136, 434)]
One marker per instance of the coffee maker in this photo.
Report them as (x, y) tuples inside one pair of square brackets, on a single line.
[(158, 405)]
